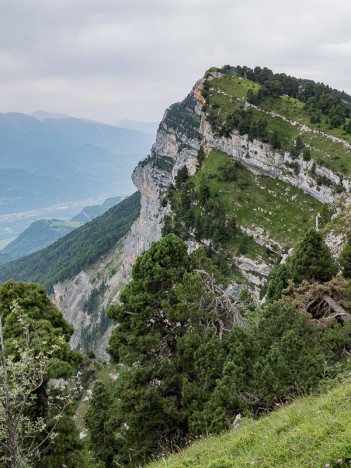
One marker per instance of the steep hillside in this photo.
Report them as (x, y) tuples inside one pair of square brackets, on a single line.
[(310, 432), (193, 348), (289, 164), (37, 236), (268, 169), (92, 211), (84, 272), (79, 249), (45, 232)]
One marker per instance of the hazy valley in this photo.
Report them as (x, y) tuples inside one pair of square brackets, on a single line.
[(53, 167), (228, 302)]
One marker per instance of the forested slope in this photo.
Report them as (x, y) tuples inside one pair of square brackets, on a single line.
[(66, 257)]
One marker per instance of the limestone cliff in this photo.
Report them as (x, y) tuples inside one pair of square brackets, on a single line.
[(259, 157), (173, 149), (184, 127)]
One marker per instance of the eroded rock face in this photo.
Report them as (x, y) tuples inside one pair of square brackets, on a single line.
[(260, 158), (152, 180), (336, 243), (92, 329), (70, 296)]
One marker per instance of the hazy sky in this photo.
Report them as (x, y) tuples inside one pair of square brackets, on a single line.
[(113, 59)]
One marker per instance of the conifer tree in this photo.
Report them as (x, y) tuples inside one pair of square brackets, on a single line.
[(346, 259), (167, 325), (312, 260), (181, 177), (277, 281), (34, 349)]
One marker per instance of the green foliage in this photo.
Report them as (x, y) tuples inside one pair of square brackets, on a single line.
[(346, 259), (312, 260), (168, 390), (101, 437), (78, 249), (36, 348), (326, 214), (160, 323), (317, 96), (182, 118), (313, 431), (226, 97), (181, 177), (306, 154), (290, 355), (165, 163), (277, 281), (200, 157), (47, 320)]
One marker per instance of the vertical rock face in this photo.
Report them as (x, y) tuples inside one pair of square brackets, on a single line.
[(183, 128), (173, 149), (101, 282), (260, 158)]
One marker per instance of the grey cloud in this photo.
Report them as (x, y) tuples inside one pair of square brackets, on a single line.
[(108, 59)]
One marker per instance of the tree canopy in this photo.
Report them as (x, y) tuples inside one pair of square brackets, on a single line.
[(35, 350), (188, 364)]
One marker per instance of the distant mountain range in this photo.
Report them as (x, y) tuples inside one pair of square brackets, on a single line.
[(90, 212), (147, 127), (42, 115), (51, 160), (57, 160)]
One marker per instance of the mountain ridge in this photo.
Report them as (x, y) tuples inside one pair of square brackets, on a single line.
[(188, 130)]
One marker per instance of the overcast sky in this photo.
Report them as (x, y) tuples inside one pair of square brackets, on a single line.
[(113, 59)]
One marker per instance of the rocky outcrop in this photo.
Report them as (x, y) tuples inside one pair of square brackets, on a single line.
[(175, 147), (255, 272), (336, 242), (104, 280), (152, 181), (261, 158), (109, 274)]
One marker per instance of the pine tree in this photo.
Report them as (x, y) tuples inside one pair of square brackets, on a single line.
[(346, 259), (96, 419), (289, 357), (204, 191), (34, 349), (312, 260), (181, 177), (167, 325), (277, 281)]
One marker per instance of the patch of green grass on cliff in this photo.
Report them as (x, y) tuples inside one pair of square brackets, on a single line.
[(326, 152), (341, 224), (233, 85), (283, 211), (331, 154), (311, 432)]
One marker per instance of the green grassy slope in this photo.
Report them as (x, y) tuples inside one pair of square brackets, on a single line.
[(271, 214), (79, 249), (229, 93), (283, 211), (311, 432)]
